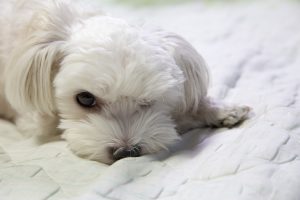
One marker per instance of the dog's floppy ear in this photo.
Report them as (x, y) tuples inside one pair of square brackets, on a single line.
[(191, 63), (35, 60)]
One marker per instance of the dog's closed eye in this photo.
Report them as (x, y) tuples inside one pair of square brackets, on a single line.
[(146, 103)]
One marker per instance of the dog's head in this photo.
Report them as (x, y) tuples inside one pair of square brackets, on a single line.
[(113, 86)]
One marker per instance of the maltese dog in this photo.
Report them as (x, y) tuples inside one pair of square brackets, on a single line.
[(112, 89)]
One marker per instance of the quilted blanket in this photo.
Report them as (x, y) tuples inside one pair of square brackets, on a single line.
[(253, 50)]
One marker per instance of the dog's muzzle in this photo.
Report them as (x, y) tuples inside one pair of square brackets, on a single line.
[(123, 152)]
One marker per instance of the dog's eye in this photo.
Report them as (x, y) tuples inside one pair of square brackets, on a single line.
[(86, 99), (146, 103)]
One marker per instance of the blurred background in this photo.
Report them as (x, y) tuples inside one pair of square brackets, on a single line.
[(165, 2)]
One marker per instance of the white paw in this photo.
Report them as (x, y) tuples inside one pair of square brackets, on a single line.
[(33, 124), (233, 115)]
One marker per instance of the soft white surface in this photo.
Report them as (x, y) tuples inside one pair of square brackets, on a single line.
[(254, 55)]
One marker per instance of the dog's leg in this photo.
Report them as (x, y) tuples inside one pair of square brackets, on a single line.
[(213, 114), (34, 124), (6, 110)]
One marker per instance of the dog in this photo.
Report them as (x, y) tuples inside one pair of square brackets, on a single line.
[(110, 88)]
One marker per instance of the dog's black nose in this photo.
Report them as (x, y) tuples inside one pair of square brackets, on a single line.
[(123, 152)]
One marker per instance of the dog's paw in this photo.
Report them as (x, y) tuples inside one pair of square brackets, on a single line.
[(231, 116), (33, 124)]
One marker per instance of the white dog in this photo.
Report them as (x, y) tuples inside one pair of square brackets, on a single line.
[(115, 90)]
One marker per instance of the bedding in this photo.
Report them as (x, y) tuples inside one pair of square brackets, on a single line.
[(253, 52)]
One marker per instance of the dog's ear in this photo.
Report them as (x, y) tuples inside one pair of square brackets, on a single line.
[(35, 60), (192, 65)]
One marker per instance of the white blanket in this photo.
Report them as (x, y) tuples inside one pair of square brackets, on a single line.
[(253, 50)]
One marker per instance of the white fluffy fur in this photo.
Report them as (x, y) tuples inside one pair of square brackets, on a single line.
[(150, 84)]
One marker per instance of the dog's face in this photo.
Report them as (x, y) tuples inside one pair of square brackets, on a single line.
[(115, 91)]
